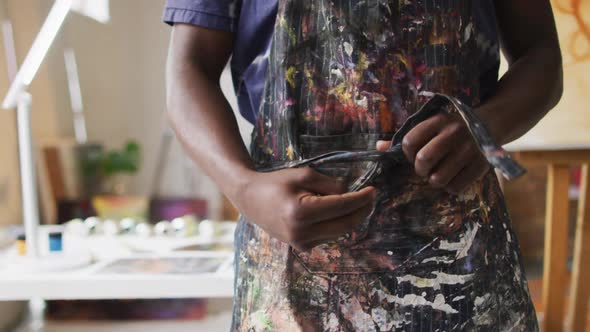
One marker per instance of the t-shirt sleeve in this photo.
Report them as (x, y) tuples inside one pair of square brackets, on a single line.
[(213, 14)]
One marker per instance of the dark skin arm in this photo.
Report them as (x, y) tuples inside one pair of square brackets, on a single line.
[(298, 206), (441, 148)]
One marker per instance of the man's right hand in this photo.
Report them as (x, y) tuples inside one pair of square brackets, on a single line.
[(303, 207), (298, 206)]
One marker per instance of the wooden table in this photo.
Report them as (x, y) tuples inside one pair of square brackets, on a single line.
[(559, 161)]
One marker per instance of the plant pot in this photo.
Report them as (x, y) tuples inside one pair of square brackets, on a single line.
[(117, 184)]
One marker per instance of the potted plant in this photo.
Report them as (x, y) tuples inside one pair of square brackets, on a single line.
[(118, 166)]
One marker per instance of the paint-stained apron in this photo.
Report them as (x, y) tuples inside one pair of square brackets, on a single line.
[(342, 75)]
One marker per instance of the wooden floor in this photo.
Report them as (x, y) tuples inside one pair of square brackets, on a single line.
[(535, 287)]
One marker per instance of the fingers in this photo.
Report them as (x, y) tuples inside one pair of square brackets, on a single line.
[(421, 135), (311, 180), (433, 152), (314, 209), (333, 229), (315, 219), (383, 145), (450, 166), (470, 174)]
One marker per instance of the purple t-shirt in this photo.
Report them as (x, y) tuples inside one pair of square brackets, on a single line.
[(252, 22)]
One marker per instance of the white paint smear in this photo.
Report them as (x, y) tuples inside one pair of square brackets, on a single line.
[(462, 247), (438, 259), (440, 279), (413, 300)]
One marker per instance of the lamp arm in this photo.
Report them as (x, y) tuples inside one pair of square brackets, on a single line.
[(41, 45)]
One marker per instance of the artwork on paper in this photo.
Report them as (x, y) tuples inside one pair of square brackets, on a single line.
[(164, 265)]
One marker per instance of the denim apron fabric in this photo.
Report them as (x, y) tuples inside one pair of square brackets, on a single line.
[(342, 75)]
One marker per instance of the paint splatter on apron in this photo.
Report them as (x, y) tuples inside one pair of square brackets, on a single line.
[(342, 75)]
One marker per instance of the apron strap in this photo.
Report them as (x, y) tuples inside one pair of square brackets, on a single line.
[(495, 154)]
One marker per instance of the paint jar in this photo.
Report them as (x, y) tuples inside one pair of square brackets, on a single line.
[(55, 241), (21, 245)]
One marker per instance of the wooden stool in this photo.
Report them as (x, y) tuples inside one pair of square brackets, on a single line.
[(559, 163)]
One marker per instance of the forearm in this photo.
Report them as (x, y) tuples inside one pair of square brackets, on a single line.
[(531, 87), (533, 84), (206, 126)]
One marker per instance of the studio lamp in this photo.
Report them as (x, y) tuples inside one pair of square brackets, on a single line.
[(19, 98)]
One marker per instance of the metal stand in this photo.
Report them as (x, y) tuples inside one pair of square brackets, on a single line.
[(28, 178), (33, 260)]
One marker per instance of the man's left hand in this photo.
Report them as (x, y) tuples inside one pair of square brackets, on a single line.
[(442, 150)]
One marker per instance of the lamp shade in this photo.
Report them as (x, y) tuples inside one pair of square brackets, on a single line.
[(96, 9), (568, 125)]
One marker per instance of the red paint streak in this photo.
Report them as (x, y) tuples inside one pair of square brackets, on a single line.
[(467, 91), (386, 119)]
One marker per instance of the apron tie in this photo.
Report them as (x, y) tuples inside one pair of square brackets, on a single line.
[(496, 156)]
